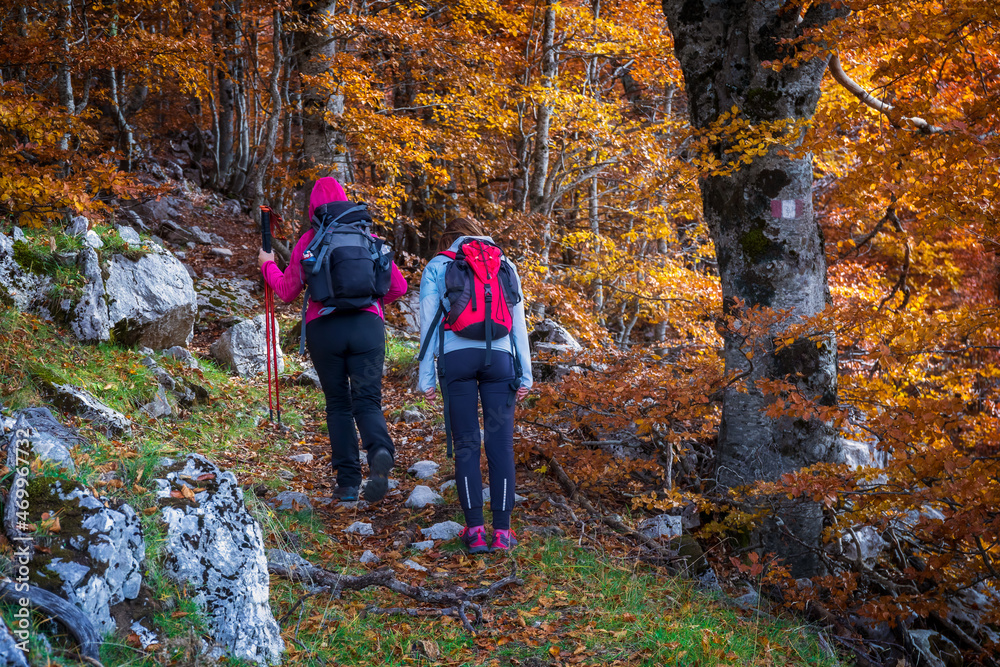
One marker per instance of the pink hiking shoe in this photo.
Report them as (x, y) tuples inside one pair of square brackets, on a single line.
[(474, 539), (503, 540)]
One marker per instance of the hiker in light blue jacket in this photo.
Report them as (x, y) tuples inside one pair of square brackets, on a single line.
[(498, 373)]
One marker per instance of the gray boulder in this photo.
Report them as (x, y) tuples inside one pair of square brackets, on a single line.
[(244, 348), (129, 235), (18, 286), (90, 321), (215, 549), (225, 299), (446, 530), (92, 240), (77, 401), (360, 528), (162, 376), (28, 441), (158, 211), (291, 501), (182, 353), (151, 301), (409, 308), (11, 654), (863, 544), (859, 454), (78, 226), (422, 496), (309, 378), (201, 237), (159, 406), (550, 336), (101, 551), (135, 219), (43, 421), (934, 649), (424, 469), (664, 525)]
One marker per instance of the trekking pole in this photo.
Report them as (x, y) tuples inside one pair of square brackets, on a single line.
[(270, 330)]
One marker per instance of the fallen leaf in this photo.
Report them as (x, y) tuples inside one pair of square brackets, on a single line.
[(430, 648)]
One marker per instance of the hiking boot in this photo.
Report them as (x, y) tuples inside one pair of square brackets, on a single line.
[(474, 539), (503, 540), (379, 465), (346, 494)]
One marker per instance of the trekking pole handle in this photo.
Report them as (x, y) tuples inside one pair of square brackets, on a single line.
[(265, 228)]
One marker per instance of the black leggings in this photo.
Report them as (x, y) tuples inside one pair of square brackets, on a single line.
[(348, 351), (470, 381)]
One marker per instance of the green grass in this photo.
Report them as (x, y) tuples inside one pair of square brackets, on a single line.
[(576, 603), (401, 354), (573, 603)]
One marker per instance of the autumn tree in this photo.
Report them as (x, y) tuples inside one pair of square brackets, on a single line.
[(759, 208)]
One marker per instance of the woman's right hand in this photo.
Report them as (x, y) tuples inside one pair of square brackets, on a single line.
[(430, 395), (263, 257)]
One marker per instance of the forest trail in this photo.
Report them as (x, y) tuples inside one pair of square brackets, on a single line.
[(585, 595)]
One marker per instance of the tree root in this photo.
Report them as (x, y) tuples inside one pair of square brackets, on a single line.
[(454, 602), (458, 612), (69, 616)]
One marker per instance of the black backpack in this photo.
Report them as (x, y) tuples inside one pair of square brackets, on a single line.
[(345, 267)]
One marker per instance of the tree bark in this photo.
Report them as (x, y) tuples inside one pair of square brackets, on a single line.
[(64, 73), (223, 31), (543, 114), (322, 143), (768, 245)]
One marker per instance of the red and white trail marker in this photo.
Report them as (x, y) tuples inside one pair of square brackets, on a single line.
[(787, 208)]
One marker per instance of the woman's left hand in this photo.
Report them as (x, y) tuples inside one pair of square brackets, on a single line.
[(522, 392), (263, 257)]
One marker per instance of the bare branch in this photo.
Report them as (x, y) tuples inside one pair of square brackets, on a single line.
[(870, 100)]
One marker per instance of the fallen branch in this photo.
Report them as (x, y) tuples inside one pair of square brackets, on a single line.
[(455, 601), (458, 612)]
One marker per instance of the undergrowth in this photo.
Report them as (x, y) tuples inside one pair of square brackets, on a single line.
[(576, 606)]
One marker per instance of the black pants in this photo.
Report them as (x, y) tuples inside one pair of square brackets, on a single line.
[(468, 382), (348, 351)]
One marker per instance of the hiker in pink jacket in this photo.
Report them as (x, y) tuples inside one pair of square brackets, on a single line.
[(347, 347)]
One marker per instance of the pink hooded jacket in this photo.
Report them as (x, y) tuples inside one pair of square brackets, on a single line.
[(290, 283)]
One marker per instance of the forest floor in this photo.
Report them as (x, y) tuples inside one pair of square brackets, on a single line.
[(584, 596)]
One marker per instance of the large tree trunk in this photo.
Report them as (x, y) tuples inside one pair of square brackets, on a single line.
[(768, 245)]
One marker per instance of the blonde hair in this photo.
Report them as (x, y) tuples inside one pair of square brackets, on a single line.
[(457, 228)]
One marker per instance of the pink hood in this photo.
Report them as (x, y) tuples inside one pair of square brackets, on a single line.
[(326, 190)]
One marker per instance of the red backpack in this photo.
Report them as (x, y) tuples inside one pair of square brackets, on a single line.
[(480, 289)]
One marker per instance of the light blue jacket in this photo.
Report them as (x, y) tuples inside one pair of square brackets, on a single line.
[(431, 292)]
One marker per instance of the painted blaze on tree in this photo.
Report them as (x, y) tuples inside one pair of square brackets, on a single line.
[(765, 260)]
